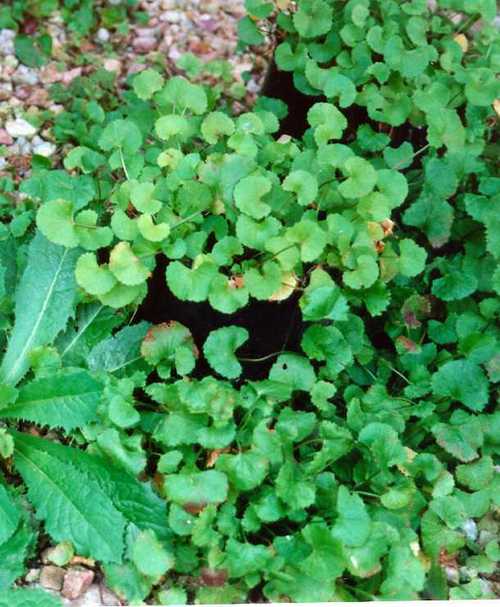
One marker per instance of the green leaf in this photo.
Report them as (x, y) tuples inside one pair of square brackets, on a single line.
[(294, 370), (248, 32), (60, 185), (170, 345), (208, 487), (191, 284), (361, 178), (263, 281), (44, 303), (310, 237), (92, 277), (219, 349), (147, 82), (170, 126), (313, 19), (142, 197), (13, 554), (353, 525), (245, 471), (126, 266), (303, 184), (294, 488), (70, 502), (248, 195), (328, 122), (464, 381), (55, 221), (477, 475), (119, 351), (33, 51), (121, 134), (215, 126), (412, 258), (28, 597), (365, 274), (149, 556), (9, 515), (182, 95), (66, 400)]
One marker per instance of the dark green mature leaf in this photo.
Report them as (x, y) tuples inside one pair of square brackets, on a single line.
[(70, 501), (28, 597), (44, 303), (68, 401), (120, 351), (9, 515)]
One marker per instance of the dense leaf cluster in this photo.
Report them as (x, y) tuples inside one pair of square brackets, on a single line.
[(363, 466)]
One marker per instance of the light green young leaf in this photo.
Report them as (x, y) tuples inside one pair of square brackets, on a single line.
[(92, 277), (219, 349), (151, 231), (248, 195), (208, 487), (304, 184), (313, 19), (142, 197), (365, 274), (150, 556), (55, 221), (121, 134), (412, 258), (126, 266), (147, 82), (216, 125), (361, 178)]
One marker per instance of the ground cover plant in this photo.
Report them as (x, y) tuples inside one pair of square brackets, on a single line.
[(244, 366)]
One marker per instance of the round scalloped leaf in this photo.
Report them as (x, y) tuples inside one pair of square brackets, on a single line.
[(55, 220), (124, 227), (248, 194), (263, 281), (142, 197), (294, 370), (412, 258), (328, 121), (227, 295), (147, 83), (150, 231), (123, 295), (365, 274), (216, 125), (310, 238), (341, 87), (313, 19), (123, 134), (219, 349), (393, 186), (182, 95), (463, 381), (361, 178), (171, 126), (190, 284), (150, 556), (126, 266), (302, 183), (91, 236), (92, 277), (170, 344)]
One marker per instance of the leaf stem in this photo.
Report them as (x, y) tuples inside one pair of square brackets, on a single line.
[(124, 166)]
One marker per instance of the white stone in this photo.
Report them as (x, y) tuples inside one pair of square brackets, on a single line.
[(46, 149), (20, 128), (25, 75), (103, 34)]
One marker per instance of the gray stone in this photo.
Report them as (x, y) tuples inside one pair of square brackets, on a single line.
[(20, 128), (52, 577)]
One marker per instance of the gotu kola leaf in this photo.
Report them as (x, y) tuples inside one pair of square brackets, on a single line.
[(170, 344), (44, 303), (219, 349)]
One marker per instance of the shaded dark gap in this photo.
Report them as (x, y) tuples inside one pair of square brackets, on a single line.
[(272, 326)]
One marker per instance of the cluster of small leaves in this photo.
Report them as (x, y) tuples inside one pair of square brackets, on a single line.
[(360, 468), (33, 43)]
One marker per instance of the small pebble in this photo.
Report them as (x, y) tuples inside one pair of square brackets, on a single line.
[(20, 128), (76, 582), (52, 577), (113, 65), (5, 138), (44, 149), (103, 34)]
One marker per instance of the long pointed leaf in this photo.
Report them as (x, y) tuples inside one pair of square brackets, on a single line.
[(64, 400), (44, 302)]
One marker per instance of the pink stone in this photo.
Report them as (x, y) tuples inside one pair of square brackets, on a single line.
[(76, 581), (144, 45)]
